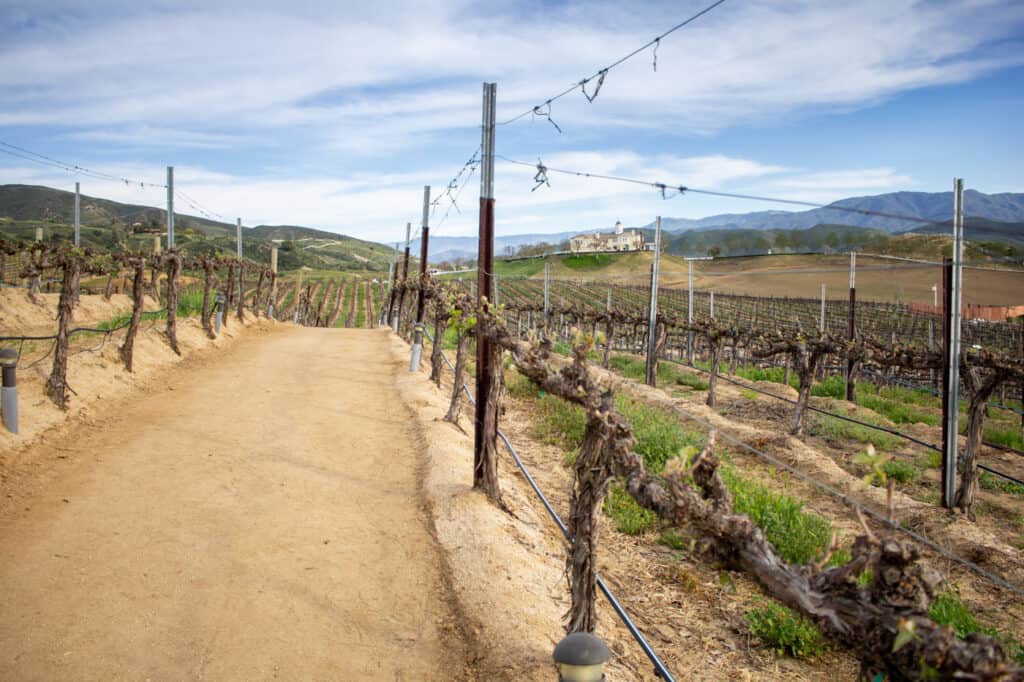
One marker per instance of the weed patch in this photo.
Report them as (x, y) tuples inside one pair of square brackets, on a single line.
[(786, 631), (630, 518)]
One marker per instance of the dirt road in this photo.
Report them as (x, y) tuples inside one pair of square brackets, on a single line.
[(255, 516)]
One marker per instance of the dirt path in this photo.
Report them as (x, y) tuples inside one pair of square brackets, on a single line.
[(258, 515)]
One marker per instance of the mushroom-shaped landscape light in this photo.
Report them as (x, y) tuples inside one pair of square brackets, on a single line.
[(580, 657)]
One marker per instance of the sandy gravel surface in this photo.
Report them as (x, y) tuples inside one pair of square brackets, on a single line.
[(254, 513)]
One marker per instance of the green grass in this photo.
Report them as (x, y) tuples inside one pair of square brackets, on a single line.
[(833, 387), (901, 472), (992, 482), (835, 429), (630, 518), (897, 412), (588, 261), (748, 394), (1012, 437), (798, 536), (949, 609), (786, 631), (659, 435), (668, 373)]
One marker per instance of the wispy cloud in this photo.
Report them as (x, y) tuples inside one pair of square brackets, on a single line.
[(335, 114)]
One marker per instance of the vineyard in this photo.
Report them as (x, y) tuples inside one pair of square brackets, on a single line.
[(864, 593), (852, 382)]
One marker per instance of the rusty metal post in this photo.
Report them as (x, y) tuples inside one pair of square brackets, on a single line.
[(851, 327), (417, 339), (485, 372)]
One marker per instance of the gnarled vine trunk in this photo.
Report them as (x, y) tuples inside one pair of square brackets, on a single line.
[(455, 406), (57, 383), (230, 295), (138, 301), (173, 261), (208, 280)]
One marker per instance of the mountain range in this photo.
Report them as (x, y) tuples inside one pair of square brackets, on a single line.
[(1003, 216)]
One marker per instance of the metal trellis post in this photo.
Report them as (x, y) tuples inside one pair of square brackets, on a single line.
[(653, 310), (417, 342), (78, 216), (951, 389), (170, 207)]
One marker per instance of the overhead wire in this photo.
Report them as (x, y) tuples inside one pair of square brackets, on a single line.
[(669, 190), (600, 75), (42, 159)]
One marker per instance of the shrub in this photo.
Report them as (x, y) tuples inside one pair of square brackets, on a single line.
[(786, 631)]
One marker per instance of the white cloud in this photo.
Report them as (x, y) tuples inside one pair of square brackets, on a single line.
[(335, 114)]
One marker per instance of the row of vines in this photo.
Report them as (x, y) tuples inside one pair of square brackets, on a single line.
[(876, 602)]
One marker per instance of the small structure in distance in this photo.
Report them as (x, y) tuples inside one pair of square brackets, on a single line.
[(620, 240)]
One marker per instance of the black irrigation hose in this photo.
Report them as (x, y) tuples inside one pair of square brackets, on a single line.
[(659, 667), (76, 330), (886, 429)]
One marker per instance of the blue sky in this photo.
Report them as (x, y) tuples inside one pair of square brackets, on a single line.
[(334, 114)]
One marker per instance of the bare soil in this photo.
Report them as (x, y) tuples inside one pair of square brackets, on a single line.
[(256, 513)]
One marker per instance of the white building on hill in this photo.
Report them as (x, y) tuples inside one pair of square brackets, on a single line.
[(620, 240)]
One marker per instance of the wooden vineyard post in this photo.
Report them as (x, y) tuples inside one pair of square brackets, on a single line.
[(488, 354)]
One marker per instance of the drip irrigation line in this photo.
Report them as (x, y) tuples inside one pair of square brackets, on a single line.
[(928, 389), (683, 189), (852, 420), (601, 73), (931, 544), (660, 670), (76, 330)]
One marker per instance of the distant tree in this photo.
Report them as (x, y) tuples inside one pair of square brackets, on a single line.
[(715, 251)]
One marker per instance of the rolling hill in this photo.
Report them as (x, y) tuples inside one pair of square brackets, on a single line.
[(110, 225)]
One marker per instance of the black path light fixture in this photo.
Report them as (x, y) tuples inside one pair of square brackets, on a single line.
[(580, 657)]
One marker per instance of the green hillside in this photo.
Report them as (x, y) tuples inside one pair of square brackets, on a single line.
[(112, 226)]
